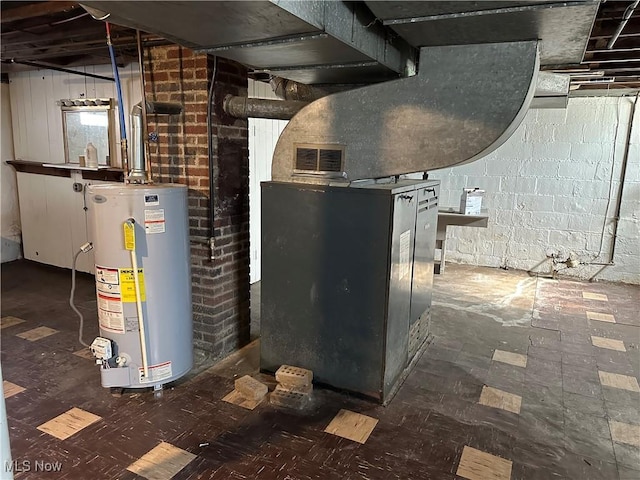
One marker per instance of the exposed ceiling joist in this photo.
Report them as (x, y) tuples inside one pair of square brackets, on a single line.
[(27, 37), (609, 27), (127, 44), (37, 10), (635, 69), (608, 56), (61, 33), (613, 51)]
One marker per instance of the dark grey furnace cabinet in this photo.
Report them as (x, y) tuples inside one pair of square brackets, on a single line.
[(347, 276)]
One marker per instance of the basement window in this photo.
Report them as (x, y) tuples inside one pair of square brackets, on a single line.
[(87, 121)]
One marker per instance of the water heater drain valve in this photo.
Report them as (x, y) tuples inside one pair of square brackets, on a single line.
[(101, 348)]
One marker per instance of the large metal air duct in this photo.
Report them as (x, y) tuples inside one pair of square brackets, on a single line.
[(465, 101)]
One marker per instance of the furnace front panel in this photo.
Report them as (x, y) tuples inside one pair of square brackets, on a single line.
[(344, 290)]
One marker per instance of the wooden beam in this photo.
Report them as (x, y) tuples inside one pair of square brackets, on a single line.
[(624, 71), (608, 29), (82, 48), (18, 37), (620, 60), (622, 43), (614, 8), (609, 86), (631, 36), (36, 10), (614, 50), (611, 56)]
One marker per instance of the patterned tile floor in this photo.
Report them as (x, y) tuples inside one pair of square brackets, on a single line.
[(521, 381)]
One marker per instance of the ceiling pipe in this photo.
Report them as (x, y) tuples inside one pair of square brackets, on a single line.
[(623, 177), (59, 69), (213, 167), (291, 90), (243, 107), (625, 18)]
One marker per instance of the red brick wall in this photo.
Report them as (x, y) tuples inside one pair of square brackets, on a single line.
[(220, 287)]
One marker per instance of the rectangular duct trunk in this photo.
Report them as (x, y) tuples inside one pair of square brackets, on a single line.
[(346, 280)]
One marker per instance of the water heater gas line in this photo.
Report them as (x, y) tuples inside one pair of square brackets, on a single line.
[(130, 244), (85, 248)]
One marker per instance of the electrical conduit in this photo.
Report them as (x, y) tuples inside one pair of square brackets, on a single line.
[(212, 184)]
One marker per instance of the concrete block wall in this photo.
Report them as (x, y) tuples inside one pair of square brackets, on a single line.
[(220, 286), (551, 193)]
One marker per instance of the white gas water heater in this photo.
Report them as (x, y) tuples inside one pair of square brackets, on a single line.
[(140, 236)]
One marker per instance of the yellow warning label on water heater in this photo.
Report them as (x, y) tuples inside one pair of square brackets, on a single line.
[(128, 286), (129, 236)]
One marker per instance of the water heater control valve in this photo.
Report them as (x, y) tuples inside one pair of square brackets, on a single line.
[(102, 348)]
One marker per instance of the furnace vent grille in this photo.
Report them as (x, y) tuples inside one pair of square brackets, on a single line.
[(318, 159), (330, 161), (306, 159)]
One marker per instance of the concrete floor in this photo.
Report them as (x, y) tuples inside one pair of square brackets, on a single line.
[(526, 378)]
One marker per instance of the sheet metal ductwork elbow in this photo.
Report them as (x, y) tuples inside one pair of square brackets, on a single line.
[(465, 101)]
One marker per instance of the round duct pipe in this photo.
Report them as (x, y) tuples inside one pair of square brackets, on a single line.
[(291, 90), (243, 107)]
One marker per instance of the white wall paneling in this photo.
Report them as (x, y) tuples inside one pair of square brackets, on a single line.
[(37, 119), (43, 202), (54, 222), (263, 136)]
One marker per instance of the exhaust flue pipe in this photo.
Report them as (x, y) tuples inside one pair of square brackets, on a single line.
[(291, 90), (138, 172), (243, 107)]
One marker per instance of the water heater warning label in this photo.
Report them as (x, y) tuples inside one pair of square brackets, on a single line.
[(154, 221), (107, 279), (128, 285), (110, 313), (157, 372)]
